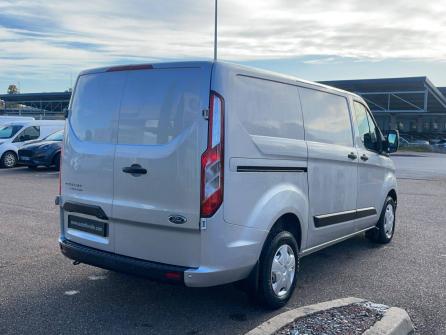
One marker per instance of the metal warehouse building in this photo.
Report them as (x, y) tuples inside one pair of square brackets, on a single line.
[(413, 105), (40, 105)]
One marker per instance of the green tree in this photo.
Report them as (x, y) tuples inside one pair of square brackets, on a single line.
[(12, 89)]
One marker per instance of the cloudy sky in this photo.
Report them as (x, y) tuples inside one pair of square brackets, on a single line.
[(44, 44)]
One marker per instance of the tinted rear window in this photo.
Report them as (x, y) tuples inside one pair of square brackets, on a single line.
[(150, 106), (95, 107), (158, 104)]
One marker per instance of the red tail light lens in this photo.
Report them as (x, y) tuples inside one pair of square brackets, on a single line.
[(60, 172), (212, 159)]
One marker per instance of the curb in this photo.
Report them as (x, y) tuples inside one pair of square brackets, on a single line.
[(277, 322), (395, 321)]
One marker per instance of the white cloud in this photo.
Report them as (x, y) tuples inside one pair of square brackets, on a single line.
[(55, 38)]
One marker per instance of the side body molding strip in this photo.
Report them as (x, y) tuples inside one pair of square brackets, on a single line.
[(334, 218), (271, 169)]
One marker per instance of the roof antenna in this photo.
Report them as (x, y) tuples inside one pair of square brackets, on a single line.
[(215, 33)]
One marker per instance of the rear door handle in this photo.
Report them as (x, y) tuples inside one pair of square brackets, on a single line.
[(364, 157), (352, 155), (134, 169)]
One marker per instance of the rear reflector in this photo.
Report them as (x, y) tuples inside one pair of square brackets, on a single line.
[(130, 67), (173, 275), (212, 159)]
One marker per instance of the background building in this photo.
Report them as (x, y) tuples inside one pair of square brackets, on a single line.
[(40, 105), (412, 105)]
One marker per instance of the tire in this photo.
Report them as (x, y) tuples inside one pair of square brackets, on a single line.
[(385, 228), (56, 162), (8, 160), (273, 292)]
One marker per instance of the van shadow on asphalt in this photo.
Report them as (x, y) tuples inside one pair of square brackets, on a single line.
[(117, 303)]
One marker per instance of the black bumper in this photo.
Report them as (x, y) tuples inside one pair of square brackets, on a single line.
[(107, 260)]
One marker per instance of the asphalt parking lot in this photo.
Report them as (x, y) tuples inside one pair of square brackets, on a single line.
[(41, 292)]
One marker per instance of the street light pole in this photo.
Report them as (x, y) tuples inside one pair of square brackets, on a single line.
[(215, 33)]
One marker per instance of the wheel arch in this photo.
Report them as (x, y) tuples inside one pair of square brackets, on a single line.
[(289, 222), (393, 195), (54, 155)]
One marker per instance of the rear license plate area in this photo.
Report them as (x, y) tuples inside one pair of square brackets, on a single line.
[(87, 225)]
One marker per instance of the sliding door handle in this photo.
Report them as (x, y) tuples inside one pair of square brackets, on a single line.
[(352, 155)]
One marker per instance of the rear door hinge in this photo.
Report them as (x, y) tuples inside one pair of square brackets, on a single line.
[(205, 113), (203, 224)]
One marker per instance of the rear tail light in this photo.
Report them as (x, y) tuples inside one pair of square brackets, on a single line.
[(61, 160), (60, 171), (212, 159)]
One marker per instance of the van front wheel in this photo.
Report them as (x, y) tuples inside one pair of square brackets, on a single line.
[(279, 263), (385, 228), (8, 160)]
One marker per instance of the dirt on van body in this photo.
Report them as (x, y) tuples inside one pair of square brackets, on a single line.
[(352, 319)]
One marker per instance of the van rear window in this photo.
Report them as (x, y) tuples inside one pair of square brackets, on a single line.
[(144, 107), (95, 107), (157, 105)]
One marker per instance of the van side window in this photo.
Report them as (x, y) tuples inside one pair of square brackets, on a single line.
[(269, 108), (368, 131), (28, 134), (326, 117)]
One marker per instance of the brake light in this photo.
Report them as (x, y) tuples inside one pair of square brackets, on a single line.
[(130, 67), (212, 166)]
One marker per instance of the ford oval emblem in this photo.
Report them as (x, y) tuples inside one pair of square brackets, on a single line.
[(177, 219)]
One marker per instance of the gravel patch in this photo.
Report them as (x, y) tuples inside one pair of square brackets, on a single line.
[(352, 319)]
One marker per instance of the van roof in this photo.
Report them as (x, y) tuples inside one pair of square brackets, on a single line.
[(36, 122), (189, 64)]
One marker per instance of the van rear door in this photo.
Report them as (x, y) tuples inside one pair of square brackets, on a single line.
[(161, 137), (89, 149)]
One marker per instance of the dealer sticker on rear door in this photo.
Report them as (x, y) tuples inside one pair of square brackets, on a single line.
[(87, 225)]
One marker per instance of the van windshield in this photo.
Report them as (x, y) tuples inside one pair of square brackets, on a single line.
[(9, 131)]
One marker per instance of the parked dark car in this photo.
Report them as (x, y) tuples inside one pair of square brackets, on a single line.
[(45, 152)]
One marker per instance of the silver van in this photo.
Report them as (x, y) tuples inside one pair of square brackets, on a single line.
[(205, 173)]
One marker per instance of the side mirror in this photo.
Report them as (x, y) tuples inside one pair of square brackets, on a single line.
[(392, 140), (66, 112)]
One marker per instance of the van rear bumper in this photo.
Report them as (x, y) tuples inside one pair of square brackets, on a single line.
[(107, 260)]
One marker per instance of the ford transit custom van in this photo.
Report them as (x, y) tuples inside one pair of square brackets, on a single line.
[(206, 173)]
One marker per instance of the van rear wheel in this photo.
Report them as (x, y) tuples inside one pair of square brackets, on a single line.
[(278, 267)]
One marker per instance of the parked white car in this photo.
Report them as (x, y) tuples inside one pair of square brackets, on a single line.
[(205, 173), (16, 134)]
